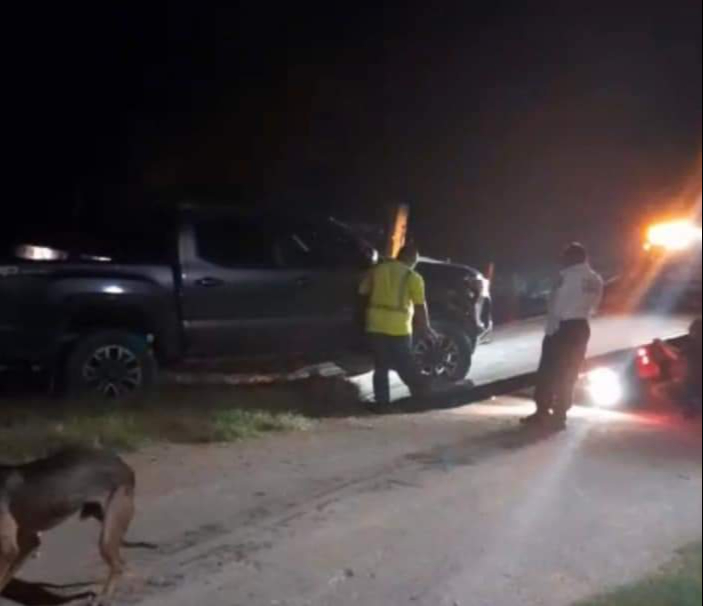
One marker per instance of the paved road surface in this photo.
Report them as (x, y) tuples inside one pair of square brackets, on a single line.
[(516, 347), (440, 509)]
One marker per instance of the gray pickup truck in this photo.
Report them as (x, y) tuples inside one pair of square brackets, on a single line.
[(207, 282)]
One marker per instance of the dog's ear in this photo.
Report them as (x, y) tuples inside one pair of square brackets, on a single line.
[(93, 511)]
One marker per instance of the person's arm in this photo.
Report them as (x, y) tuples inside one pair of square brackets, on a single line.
[(365, 286), (422, 313), (554, 307), (422, 322), (598, 293), (362, 300)]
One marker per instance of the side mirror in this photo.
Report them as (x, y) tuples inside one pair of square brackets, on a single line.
[(371, 256)]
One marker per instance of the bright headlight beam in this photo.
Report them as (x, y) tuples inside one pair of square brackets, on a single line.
[(605, 387), (31, 252), (674, 236)]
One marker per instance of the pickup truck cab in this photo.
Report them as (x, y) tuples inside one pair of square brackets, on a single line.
[(208, 282)]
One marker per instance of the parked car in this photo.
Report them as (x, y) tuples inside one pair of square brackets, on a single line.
[(662, 370), (205, 282)]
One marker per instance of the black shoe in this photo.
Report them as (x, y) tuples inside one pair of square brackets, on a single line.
[(378, 408), (557, 423), (535, 419)]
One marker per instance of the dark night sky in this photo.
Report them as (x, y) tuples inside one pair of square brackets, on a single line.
[(510, 128)]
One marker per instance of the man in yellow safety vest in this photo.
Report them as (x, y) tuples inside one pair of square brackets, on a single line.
[(395, 304)]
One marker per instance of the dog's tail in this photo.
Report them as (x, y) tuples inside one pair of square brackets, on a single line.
[(95, 511)]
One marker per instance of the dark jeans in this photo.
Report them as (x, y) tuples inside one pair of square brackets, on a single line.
[(394, 353), (563, 355)]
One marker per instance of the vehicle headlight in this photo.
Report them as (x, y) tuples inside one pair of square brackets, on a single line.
[(605, 387), (485, 287), (674, 236), (30, 252), (479, 286)]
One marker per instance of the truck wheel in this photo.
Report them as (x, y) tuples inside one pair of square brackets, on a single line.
[(113, 364), (450, 359)]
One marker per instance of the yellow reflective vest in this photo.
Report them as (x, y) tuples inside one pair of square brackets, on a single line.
[(393, 290)]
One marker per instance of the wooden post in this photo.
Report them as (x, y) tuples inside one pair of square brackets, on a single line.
[(491, 272), (398, 230)]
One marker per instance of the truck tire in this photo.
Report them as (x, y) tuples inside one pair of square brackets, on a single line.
[(449, 360), (112, 364)]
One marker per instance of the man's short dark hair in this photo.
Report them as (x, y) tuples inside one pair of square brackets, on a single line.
[(575, 254), (409, 251)]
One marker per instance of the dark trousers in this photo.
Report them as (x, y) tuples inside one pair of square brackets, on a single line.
[(563, 355), (394, 353)]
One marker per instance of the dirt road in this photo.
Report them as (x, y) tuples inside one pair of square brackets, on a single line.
[(432, 510)]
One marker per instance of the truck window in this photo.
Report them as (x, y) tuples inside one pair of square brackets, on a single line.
[(244, 244), (322, 246)]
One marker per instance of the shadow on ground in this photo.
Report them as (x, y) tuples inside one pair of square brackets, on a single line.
[(38, 594), (463, 394), (316, 397)]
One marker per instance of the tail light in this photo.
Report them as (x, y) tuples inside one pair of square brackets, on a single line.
[(647, 367)]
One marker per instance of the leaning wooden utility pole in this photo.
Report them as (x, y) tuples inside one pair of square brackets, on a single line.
[(398, 230)]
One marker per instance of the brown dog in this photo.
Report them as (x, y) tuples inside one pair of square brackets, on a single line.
[(40, 496)]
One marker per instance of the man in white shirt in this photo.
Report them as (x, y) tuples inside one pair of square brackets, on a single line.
[(576, 298)]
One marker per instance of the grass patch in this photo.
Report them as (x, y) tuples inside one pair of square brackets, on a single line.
[(33, 428), (678, 584), (233, 425)]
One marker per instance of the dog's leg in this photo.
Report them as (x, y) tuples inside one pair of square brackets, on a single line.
[(119, 513), (9, 549), (27, 543)]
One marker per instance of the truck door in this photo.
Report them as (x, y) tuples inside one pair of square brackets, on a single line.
[(238, 299), (333, 264)]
